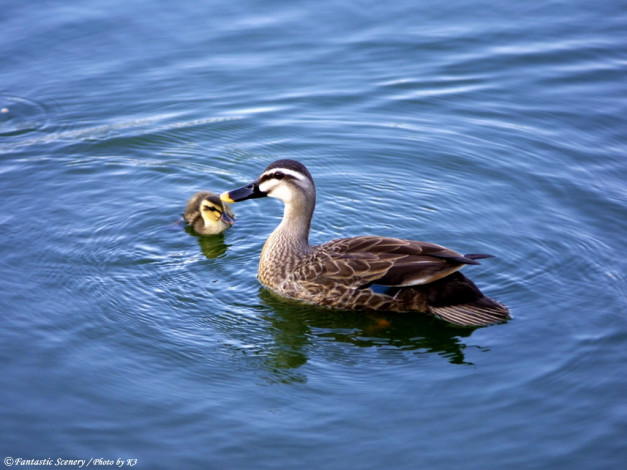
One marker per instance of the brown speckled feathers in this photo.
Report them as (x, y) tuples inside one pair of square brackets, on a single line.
[(386, 261), (380, 273)]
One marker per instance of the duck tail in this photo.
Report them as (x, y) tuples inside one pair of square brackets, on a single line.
[(481, 312), (456, 299)]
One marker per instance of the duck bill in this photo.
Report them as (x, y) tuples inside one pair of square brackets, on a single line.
[(227, 219), (250, 191)]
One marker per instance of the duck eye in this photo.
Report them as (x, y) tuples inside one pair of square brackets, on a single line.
[(278, 176), (210, 208)]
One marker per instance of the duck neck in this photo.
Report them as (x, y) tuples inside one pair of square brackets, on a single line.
[(296, 224), (290, 240)]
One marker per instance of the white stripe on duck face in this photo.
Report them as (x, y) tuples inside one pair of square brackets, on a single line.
[(278, 173), (283, 183)]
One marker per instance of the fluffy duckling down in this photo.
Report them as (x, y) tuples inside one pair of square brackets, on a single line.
[(206, 214)]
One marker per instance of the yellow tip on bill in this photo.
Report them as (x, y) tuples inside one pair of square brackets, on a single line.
[(225, 197)]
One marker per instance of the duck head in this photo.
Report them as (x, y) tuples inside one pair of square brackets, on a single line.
[(287, 180)]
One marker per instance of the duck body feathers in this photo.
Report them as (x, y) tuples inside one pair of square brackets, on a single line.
[(382, 273)]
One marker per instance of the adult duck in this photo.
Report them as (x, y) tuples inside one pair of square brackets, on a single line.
[(360, 273)]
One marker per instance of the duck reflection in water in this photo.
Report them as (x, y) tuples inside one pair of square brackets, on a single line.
[(296, 327), (212, 247)]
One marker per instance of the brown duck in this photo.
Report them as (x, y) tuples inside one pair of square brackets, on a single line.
[(207, 214), (360, 273)]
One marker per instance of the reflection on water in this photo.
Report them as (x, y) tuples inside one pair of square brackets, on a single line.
[(212, 246), (296, 328)]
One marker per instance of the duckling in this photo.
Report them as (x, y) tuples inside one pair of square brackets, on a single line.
[(360, 273), (207, 214)]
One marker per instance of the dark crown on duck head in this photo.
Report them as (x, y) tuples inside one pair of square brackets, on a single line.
[(215, 199), (290, 168)]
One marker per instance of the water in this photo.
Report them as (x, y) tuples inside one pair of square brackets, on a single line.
[(485, 127)]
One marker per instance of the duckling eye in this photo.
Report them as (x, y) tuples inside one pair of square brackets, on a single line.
[(210, 208), (278, 176)]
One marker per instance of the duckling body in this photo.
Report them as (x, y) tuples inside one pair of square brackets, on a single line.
[(207, 214), (360, 273)]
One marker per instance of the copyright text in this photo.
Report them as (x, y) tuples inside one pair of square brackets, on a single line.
[(68, 463)]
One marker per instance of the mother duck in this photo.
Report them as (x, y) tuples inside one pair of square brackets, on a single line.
[(360, 273)]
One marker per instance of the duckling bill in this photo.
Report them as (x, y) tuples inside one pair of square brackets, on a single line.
[(360, 273), (207, 214)]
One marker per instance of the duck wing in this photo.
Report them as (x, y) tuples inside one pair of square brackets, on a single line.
[(368, 260)]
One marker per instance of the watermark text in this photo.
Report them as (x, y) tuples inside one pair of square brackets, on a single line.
[(59, 462)]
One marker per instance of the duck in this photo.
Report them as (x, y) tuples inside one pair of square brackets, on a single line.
[(363, 273), (206, 214)]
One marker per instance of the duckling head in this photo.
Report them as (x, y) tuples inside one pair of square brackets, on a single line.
[(208, 215)]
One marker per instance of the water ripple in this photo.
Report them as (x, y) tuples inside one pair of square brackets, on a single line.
[(19, 116)]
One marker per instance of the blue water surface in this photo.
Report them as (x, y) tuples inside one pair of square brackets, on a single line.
[(483, 126)]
